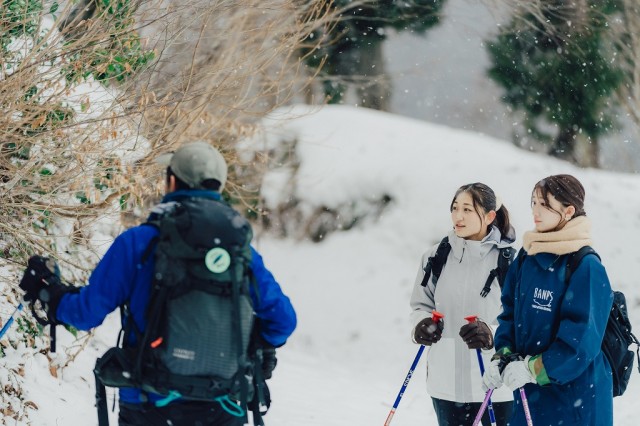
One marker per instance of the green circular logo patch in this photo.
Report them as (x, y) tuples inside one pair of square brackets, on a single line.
[(217, 260)]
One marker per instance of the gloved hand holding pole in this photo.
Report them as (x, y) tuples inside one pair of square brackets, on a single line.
[(436, 317), (492, 417), (505, 360)]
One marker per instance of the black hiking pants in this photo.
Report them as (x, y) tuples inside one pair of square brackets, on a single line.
[(177, 414), (451, 413)]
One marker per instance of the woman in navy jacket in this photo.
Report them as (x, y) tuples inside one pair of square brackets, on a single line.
[(557, 328)]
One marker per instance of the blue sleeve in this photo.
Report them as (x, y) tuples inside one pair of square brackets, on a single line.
[(505, 334), (110, 284), (584, 313), (272, 306)]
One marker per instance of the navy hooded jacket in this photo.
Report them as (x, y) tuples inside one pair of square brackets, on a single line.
[(565, 324), (121, 277)]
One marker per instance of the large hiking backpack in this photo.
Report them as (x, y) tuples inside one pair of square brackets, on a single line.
[(196, 342), (617, 336), (436, 263)]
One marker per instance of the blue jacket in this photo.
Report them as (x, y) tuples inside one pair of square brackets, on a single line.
[(565, 324), (121, 277)]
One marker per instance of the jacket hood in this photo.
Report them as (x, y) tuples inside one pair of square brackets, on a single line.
[(493, 239)]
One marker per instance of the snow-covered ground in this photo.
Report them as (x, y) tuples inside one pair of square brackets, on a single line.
[(346, 361)]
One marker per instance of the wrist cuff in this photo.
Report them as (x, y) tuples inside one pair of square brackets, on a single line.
[(501, 352), (537, 370)]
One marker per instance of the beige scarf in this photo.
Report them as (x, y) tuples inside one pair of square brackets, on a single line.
[(572, 237)]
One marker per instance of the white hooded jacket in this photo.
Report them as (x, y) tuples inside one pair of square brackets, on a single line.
[(453, 373)]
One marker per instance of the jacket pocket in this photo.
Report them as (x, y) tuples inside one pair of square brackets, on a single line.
[(114, 369)]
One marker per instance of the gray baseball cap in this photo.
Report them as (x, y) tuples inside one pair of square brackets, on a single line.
[(196, 162)]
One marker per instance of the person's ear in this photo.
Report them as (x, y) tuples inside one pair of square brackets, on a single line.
[(569, 212), (490, 217), (171, 184)]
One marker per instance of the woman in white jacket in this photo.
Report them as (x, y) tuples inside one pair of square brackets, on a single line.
[(480, 229)]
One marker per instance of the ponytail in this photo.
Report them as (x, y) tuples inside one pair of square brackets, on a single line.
[(503, 223)]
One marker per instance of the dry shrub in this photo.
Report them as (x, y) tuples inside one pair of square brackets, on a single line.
[(89, 98), (90, 95), (220, 70)]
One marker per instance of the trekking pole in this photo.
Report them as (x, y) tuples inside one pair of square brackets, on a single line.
[(7, 325), (525, 406), (492, 415), (483, 407), (436, 317)]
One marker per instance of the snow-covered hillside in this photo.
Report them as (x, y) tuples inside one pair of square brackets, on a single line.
[(346, 361)]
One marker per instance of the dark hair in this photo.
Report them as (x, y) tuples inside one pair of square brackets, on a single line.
[(207, 184), (484, 198), (566, 189)]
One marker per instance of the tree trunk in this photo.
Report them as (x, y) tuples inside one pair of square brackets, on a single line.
[(591, 153), (564, 144), (359, 72), (374, 87)]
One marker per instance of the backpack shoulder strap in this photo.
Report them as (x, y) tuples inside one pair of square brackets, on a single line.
[(505, 257), (504, 261), (154, 223), (436, 262), (574, 261), (521, 255)]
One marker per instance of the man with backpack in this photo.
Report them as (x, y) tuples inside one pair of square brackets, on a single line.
[(201, 314)]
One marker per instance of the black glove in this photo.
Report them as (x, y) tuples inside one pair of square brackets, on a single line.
[(504, 360), (428, 332), (41, 281), (41, 272), (269, 360), (477, 335)]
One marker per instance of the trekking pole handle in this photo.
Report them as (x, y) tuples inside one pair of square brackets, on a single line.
[(436, 317), (492, 415), (470, 319)]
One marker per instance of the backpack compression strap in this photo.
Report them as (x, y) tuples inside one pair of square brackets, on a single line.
[(237, 268), (436, 262), (261, 401), (101, 401)]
